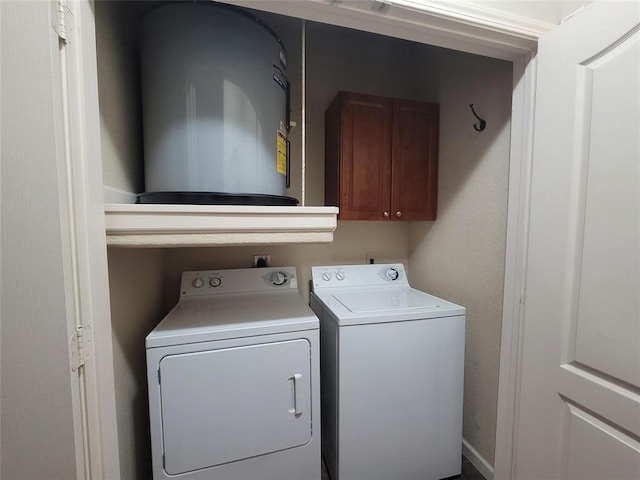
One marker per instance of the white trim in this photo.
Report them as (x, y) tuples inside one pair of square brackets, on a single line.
[(93, 278), (223, 239), (477, 460), (457, 26), (69, 243), (217, 225), (1, 250), (524, 75), (477, 15)]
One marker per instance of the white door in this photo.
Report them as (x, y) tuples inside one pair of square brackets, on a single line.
[(579, 408), (40, 395)]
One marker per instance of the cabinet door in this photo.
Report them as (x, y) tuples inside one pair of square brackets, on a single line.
[(415, 160), (365, 157)]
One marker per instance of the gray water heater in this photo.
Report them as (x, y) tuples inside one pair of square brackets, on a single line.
[(215, 107)]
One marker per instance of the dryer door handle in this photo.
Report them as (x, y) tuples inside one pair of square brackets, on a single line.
[(297, 394)]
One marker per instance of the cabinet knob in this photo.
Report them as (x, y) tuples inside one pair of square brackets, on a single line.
[(385, 214), (398, 214)]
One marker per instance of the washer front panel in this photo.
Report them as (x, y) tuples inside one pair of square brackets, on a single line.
[(400, 400)]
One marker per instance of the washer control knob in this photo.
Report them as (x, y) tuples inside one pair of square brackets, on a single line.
[(340, 276), (279, 278), (215, 282), (326, 276), (197, 282), (392, 274)]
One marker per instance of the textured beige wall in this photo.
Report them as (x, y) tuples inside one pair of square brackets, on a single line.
[(461, 256), (342, 59), (136, 288), (119, 94), (351, 242)]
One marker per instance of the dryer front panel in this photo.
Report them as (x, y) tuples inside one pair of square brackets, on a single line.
[(222, 406)]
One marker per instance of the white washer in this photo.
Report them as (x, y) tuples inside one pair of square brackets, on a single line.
[(392, 362), (233, 374)]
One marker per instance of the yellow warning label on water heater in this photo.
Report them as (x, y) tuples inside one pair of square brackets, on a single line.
[(281, 154)]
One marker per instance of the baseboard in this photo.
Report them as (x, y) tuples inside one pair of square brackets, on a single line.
[(477, 460)]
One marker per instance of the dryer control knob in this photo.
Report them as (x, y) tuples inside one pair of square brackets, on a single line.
[(197, 283), (392, 274), (340, 276), (215, 282), (278, 278), (326, 276)]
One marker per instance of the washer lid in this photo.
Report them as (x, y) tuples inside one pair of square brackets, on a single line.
[(357, 306), (204, 319), (387, 301)]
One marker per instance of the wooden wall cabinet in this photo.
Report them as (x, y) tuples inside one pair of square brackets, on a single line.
[(381, 158)]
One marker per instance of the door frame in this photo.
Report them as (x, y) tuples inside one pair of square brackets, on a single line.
[(88, 238), (520, 164), (468, 28)]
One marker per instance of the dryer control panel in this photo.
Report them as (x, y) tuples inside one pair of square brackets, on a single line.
[(338, 276), (218, 282)]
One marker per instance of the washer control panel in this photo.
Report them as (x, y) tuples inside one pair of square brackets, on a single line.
[(216, 282), (336, 276)]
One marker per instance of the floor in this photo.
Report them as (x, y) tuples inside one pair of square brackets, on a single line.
[(469, 472)]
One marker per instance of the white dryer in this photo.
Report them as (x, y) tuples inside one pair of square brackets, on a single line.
[(233, 374), (392, 362)]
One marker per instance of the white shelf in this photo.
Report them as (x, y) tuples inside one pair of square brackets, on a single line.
[(216, 225)]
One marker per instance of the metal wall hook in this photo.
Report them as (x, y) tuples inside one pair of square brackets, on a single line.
[(482, 125)]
